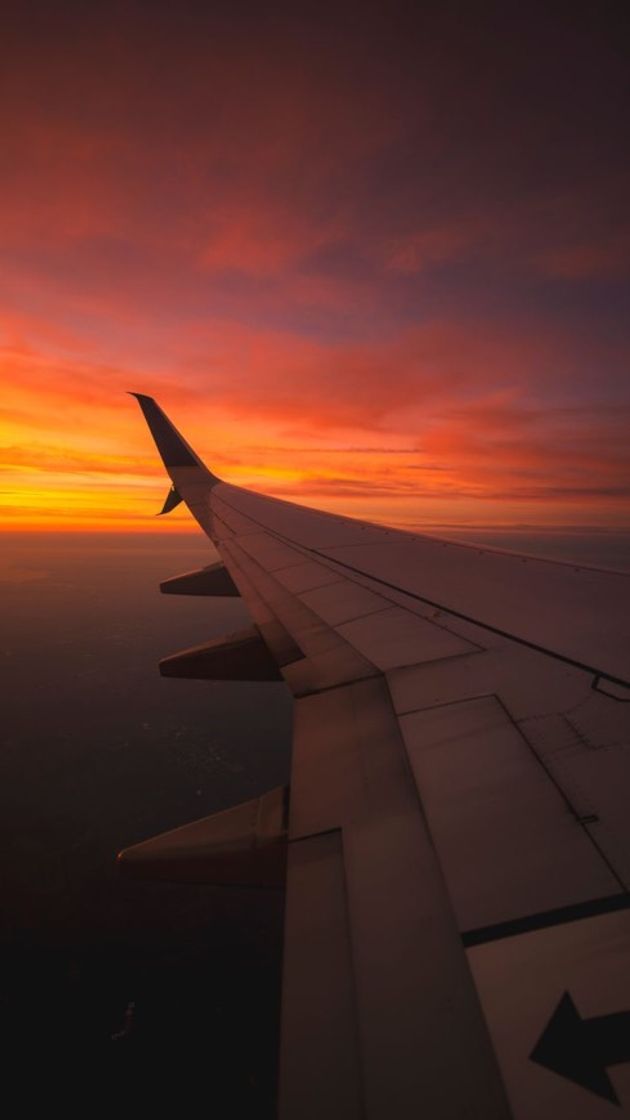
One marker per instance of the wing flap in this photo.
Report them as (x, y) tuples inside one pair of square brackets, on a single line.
[(507, 840), (411, 1002), (320, 1063)]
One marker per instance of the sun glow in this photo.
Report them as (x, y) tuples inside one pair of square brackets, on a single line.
[(341, 290)]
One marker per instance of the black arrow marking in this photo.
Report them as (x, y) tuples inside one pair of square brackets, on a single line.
[(580, 1049)]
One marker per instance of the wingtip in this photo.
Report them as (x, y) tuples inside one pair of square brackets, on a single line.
[(139, 396)]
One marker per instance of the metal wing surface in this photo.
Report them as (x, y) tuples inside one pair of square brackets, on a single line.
[(457, 931)]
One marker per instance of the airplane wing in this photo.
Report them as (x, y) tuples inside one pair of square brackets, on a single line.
[(457, 845)]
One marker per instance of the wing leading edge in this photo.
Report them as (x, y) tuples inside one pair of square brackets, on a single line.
[(458, 852)]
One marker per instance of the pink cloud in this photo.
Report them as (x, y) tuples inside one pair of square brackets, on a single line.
[(586, 260)]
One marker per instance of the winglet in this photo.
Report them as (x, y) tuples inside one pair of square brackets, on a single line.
[(173, 498), (172, 446)]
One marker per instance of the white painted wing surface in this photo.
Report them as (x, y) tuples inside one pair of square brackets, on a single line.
[(457, 938)]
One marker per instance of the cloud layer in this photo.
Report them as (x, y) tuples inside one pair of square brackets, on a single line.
[(372, 259)]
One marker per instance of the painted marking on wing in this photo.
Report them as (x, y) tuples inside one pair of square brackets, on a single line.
[(580, 1049), (545, 919)]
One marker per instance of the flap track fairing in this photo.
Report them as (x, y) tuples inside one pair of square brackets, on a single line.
[(212, 580), (237, 657), (242, 846)]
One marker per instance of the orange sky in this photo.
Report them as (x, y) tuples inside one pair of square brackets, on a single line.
[(378, 265)]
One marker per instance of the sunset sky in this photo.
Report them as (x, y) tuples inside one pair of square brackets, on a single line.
[(369, 257)]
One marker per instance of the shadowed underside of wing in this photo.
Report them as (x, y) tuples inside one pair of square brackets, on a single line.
[(458, 842)]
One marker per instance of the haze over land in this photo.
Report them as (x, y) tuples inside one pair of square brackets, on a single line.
[(97, 752)]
